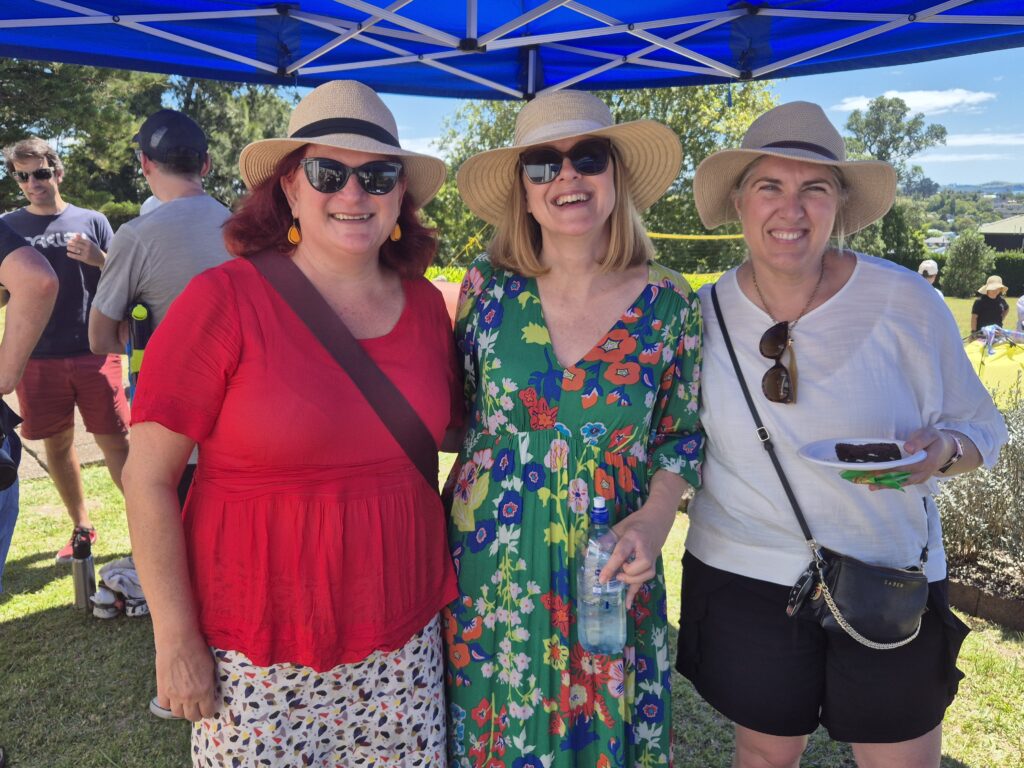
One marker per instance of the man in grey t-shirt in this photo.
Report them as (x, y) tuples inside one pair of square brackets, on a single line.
[(152, 258)]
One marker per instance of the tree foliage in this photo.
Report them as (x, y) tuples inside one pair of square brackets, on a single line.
[(886, 131), (968, 263), (897, 236), (90, 115), (706, 118)]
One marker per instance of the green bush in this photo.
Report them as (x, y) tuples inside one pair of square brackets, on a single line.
[(118, 213), (1009, 265), (968, 263), (983, 511)]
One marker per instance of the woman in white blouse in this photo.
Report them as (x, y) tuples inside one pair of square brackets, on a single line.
[(879, 357)]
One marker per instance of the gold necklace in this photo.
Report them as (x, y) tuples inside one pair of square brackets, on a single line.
[(817, 285)]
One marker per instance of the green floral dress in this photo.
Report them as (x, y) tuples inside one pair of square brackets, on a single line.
[(542, 441)]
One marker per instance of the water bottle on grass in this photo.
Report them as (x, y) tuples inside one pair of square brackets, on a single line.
[(600, 608), (83, 571)]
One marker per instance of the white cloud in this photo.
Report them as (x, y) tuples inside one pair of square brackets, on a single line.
[(985, 140), (929, 102), (963, 157)]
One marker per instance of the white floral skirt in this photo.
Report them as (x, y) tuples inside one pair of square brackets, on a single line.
[(387, 710)]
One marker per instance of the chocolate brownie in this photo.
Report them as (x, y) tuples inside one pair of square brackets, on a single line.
[(860, 454)]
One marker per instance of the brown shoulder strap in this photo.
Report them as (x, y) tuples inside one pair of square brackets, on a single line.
[(391, 406)]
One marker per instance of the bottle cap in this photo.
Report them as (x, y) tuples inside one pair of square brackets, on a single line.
[(139, 312), (599, 511), (81, 544)]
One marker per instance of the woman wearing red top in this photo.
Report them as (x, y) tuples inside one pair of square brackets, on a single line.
[(295, 597)]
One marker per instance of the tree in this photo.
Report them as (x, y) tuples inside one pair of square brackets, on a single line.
[(897, 236), (90, 116), (233, 115), (968, 263), (918, 185), (885, 132), (707, 118)]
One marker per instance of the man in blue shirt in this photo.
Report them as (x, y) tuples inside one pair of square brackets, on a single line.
[(62, 371)]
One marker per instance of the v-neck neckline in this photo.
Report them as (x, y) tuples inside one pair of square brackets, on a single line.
[(550, 345)]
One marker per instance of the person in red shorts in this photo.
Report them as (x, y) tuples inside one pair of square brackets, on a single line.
[(62, 372), (295, 598)]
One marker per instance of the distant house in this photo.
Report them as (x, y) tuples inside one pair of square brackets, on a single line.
[(1005, 235), (939, 243)]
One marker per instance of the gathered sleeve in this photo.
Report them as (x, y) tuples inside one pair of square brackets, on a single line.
[(189, 362), (677, 441), (960, 401), (477, 277)]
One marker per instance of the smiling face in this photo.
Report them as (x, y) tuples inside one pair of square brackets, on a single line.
[(788, 209), (572, 204), (43, 195), (350, 223)]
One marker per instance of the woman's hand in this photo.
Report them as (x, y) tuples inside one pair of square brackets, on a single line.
[(641, 537), (939, 446), (185, 678)]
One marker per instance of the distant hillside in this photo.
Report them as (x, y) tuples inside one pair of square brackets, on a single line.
[(989, 188)]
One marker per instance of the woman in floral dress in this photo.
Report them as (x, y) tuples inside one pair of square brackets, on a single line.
[(582, 362)]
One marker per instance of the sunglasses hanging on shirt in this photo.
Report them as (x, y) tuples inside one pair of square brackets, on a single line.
[(39, 174), (589, 157), (329, 176), (778, 382)]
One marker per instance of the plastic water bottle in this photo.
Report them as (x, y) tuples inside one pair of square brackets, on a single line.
[(83, 570), (600, 608)]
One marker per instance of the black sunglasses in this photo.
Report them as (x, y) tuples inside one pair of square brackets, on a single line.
[(329, 176), (589, 157), (778, 383), (40, 174)]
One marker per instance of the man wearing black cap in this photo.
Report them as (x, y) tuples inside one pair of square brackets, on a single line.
[(152, 258)]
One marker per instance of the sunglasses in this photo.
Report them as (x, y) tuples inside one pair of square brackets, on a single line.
[(40, 174), (779, 382), (589, 157), (329, 176)]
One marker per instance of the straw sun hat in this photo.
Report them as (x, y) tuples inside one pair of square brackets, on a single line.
[(994, 283), (797, 131), (348, 115), (650, 151)]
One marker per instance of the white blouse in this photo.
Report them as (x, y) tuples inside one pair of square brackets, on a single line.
[(880, 359)]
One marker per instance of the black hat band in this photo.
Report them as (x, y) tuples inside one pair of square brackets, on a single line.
[(804, 145), (352, 125)]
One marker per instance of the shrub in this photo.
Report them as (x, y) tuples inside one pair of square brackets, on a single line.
[(983, 511), (118, 213), (968, 263), (1009, 265)]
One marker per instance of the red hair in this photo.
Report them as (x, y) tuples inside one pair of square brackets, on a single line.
[(262, 218)]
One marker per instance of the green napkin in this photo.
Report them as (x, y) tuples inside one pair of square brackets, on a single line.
[(867, 477)]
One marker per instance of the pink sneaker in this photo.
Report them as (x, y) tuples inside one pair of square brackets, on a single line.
[(64, 555)]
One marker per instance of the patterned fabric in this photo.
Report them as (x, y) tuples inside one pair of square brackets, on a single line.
[(542, 441), (387, 710)]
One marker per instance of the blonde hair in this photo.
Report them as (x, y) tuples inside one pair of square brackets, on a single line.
[(517, 240)]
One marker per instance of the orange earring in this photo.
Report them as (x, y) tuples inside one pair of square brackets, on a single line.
[(396, 233), (294, 233)]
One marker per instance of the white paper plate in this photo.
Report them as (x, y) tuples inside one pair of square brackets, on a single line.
[(824, 452)]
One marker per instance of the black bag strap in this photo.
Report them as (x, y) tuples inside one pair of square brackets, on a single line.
[(762, 433), (766, 441), (380, 392)]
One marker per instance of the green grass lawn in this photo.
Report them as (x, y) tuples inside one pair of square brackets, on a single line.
[(74, 690)]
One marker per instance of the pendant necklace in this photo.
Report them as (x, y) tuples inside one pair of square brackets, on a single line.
[(814, 293)]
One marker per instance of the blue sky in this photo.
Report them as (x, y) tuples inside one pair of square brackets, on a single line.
[(979, 99)]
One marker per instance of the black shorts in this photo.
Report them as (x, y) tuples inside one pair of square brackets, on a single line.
[(783, 676)]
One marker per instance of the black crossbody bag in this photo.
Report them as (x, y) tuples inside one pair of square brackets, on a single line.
[(877, 606)]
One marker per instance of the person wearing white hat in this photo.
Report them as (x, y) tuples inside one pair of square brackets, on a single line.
[(295, 599), (581, 360), (990, 308), (880, 360), (929, 270)]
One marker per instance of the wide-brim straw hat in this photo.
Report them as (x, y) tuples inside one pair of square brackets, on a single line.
[(348, 115), (994, 283), (651, 153), (796, 131)]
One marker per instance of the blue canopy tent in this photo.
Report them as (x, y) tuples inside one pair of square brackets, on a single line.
[(503, 48)]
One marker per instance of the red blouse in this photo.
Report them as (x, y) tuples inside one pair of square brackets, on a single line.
[(312, 538)]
